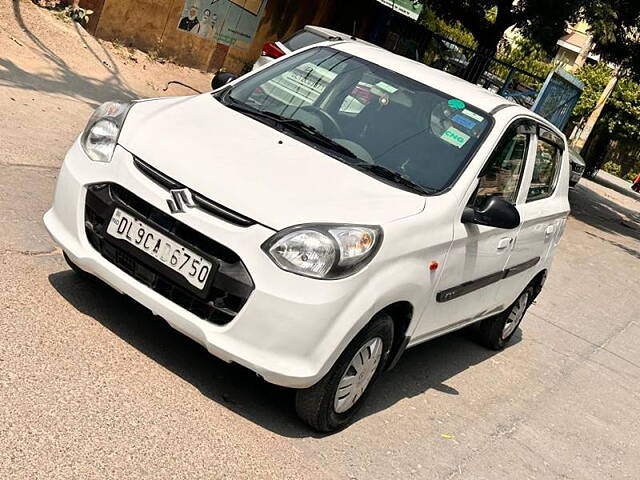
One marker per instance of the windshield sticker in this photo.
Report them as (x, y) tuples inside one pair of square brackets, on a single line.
[(386, 87), (456, 103), (470, 114), (464, 121), (455, 137)]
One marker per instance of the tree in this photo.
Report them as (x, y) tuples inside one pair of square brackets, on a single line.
[(590, 124), (595, 79), (615, 25), (541, 20), (617, 133), (623, 117), (526, 54)]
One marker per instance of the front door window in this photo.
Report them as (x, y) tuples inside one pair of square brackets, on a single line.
[(503, 173)]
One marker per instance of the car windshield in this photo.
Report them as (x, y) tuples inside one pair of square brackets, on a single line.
[(388, 125)]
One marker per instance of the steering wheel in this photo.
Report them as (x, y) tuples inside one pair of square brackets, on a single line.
[(334, 130)]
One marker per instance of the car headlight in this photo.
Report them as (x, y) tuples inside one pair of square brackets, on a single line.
[(101, 133), (326, 251)]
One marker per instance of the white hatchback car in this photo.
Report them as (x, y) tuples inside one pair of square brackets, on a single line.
[(313, 219), (309, 35)]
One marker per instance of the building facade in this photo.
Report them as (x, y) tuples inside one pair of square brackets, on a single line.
[(210, 34), (575, 48)]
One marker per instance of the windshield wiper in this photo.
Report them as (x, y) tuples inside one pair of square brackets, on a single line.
[(299, 127), (311, 133), (244, 108), (316, 136), (393, 176)]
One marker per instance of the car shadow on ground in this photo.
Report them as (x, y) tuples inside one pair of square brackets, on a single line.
[(64, 79), (427, 366), (604, 214)]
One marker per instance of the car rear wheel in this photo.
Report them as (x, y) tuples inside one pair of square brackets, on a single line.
[(332, 403), (495, 332)]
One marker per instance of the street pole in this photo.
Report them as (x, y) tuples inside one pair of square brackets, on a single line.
[(579, 142)]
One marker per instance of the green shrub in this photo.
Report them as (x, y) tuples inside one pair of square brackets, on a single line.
[(612, 168)]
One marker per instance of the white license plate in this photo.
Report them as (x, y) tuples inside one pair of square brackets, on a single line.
[(167, 251)]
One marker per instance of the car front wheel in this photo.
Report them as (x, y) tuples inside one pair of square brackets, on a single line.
[(332, 403)]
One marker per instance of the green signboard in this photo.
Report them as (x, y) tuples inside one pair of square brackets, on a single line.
[(410, 8)]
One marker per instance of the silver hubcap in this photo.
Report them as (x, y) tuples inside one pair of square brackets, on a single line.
[(358, 374), (516, 314)]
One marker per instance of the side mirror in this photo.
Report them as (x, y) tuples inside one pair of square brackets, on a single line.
[(496, 212), (220, 79)]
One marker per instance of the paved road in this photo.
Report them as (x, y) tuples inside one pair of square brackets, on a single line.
[(93, 386)]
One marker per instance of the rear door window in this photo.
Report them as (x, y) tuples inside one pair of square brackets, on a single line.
[(302, 39), (545, 170)]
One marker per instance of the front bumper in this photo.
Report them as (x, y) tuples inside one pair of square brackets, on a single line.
[(290, 330)]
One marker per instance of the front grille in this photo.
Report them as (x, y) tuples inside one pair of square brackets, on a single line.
[(201, 201), (225, 293)]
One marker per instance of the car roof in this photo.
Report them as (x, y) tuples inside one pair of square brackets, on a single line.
[(443, 81)]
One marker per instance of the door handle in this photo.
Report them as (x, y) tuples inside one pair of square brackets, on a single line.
[(504, 243), (550, 229)]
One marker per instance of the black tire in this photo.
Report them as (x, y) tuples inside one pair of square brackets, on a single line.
[(491, 331), (315, 405), (77, 270)]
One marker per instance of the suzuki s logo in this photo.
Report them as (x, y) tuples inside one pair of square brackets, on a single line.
[(180, 199)]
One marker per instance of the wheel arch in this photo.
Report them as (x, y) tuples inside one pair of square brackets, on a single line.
[(401, 313), (538, 282)]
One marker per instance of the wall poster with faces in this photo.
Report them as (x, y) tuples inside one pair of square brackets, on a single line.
[(231, 22)]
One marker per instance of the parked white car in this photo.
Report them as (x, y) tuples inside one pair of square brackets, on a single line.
[(309, 35), (313, 219)]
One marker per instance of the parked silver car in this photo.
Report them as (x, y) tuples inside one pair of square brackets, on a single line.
[(577, 167)]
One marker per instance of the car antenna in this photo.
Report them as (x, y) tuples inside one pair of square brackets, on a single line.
[(353, 34), (176, 82)]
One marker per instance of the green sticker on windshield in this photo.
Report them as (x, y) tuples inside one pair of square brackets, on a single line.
[(455, 137), (386, 87), (457, 104)]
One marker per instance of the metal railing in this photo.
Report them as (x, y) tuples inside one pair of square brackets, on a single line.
[(417, 42)]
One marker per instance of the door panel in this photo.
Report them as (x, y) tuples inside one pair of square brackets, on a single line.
[(468, 288)]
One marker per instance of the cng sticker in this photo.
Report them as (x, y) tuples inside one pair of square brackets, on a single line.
[(455, 137), (456, 103)]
